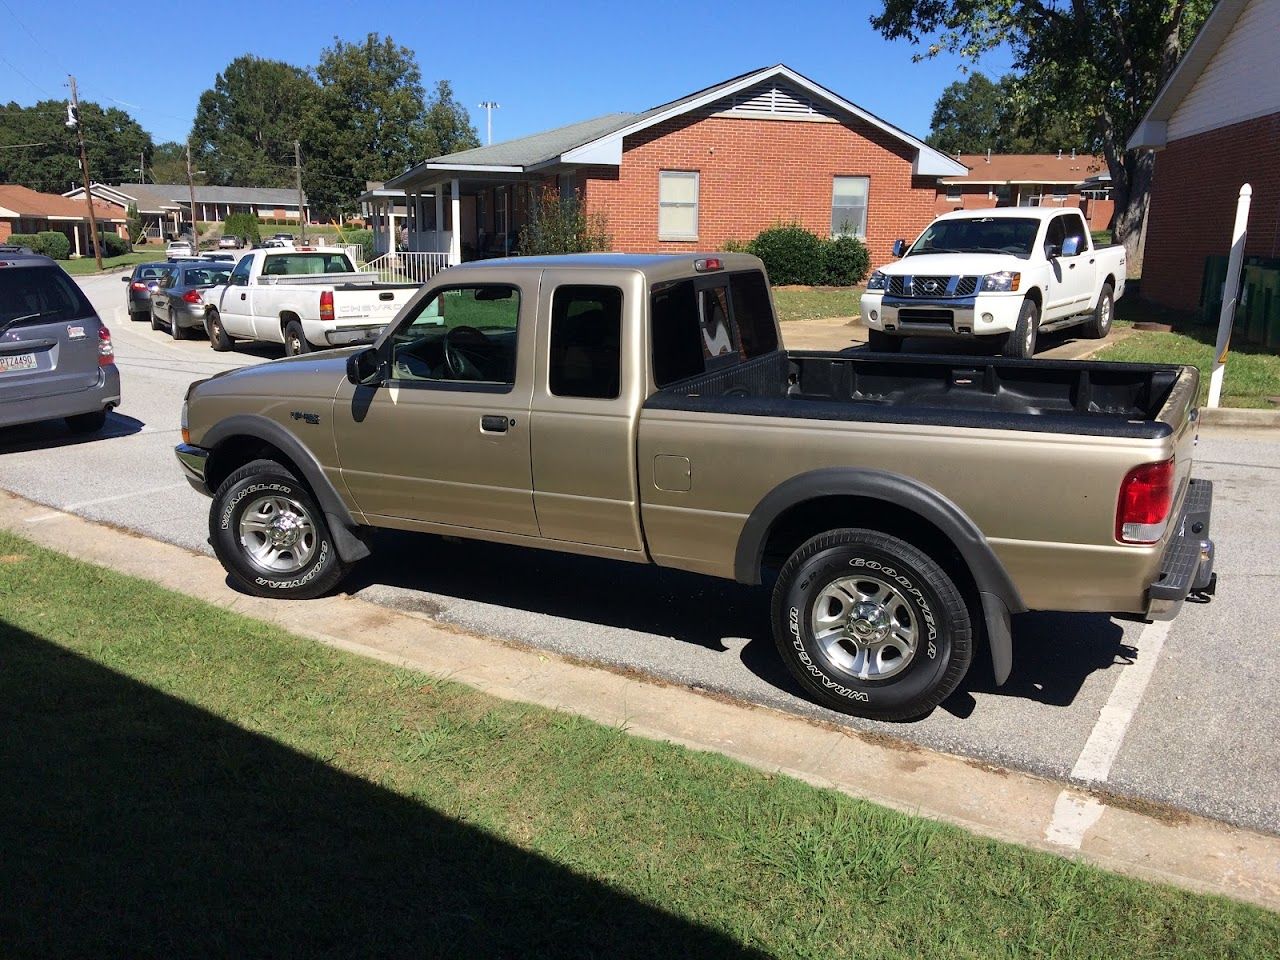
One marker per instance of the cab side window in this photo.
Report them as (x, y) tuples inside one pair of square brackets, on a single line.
[(1073, 225), (240, 275), (1055, 234), (586, 342), (461, 335)]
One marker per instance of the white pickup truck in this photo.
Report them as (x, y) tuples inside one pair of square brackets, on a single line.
[(307, 298), (1011, 272)]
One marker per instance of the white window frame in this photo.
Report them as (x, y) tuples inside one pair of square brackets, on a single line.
[(860, 233), (672, 204)]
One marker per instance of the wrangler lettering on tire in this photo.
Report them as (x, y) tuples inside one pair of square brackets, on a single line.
[(869, 625)]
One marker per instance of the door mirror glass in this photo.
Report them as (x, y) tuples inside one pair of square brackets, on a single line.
[(899, 247), (1071, 246), (362, 366)]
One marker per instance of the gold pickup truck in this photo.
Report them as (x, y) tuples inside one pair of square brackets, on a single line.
[(642, 408)]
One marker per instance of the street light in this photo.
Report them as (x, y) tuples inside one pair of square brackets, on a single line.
[(488, 106)]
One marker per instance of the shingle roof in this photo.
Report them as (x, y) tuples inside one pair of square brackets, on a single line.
[(29, 203), (1028, 168), (179, 193), (530, 150)]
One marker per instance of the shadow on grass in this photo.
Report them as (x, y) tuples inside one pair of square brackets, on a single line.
[(133, 824)]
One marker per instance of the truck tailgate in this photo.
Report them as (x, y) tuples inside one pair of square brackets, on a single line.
[(377, 304)]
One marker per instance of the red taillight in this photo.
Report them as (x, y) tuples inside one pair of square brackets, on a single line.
[(326, 305), (708, 263), (1146, 495), (106, 353), (192, 296), (138, 285)]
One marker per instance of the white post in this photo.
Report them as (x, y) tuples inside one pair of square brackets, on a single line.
[(1230, 293), (417, 222), (455, 233), (438, 191), (391, 226), (75, 232)]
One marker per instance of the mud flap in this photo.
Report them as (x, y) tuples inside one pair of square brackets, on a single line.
[(999, 636)]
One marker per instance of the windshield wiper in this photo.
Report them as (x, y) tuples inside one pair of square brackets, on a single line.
[(4, 327)]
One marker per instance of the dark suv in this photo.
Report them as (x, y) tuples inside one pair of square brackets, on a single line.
[(56, 359)]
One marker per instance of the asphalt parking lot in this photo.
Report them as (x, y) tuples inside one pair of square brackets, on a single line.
[(1201, 734)]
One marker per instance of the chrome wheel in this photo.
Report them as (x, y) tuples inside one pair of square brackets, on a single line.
[(1104, 314), (865, 627), (278, 534)]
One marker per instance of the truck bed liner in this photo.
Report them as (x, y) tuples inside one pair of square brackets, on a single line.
[(1077, 397)]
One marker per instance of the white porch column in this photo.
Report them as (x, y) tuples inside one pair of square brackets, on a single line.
[(417, 222), (438, 191), (455, 216), (75, 232)]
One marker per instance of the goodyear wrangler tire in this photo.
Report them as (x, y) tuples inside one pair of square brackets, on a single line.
[(271, 536), (871, 626)]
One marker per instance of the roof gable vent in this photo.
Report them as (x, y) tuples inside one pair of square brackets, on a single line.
[(773, 99)]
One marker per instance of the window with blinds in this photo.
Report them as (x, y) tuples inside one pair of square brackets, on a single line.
[(849, 207), (677, 205)]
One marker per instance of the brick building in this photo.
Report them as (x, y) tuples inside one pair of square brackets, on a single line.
[(1216, 126), (1064, 179), (26, 211), (717, 165)]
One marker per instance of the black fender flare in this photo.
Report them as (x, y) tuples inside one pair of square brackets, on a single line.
[(996, 590), (345, 528)]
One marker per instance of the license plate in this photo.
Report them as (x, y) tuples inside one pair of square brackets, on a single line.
[(15, 362)]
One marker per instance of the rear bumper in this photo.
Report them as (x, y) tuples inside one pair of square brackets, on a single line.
[(105, 394), (1187, 566), (192, 459)]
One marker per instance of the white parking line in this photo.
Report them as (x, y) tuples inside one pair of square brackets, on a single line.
[(1075, 813), (73, 507)]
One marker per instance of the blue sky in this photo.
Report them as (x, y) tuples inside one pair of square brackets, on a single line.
[(546, 64)]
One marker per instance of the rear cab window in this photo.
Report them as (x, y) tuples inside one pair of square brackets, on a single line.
[(701, 324), (305, 264)]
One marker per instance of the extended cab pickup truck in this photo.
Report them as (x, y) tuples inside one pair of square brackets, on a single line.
[(641, 408), (1011, 272), (308, 298)]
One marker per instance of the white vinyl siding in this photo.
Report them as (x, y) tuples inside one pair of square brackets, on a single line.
[(849, 207), (1240, 82), (677, 205)]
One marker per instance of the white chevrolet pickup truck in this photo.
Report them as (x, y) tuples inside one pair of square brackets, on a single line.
[(1011, 272), (307, 298)]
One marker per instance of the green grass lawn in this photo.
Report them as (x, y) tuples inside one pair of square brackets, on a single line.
[(816, 303), (87, 265), (181, 779)]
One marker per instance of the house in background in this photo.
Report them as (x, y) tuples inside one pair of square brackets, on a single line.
[(1031, 179), (717, 165), (385, 212), (23, 210), (160, 217), (1215, 126)]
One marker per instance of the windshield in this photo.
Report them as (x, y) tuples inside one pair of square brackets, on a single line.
[(1012, 235), (40, 295), (304, 264)]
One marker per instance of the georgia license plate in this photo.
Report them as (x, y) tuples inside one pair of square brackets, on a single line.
[(12, 363)]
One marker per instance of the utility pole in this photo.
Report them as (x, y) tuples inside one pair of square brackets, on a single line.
[(297, 174), (73, 121), (191, 187), (489, 106)]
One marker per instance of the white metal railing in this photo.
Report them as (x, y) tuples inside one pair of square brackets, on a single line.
[(355, 251), (407, 267)]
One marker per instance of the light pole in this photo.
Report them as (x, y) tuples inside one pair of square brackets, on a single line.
[(488, 106)]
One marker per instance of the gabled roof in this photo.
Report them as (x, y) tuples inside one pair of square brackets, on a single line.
[(1027, 168), (180, 193), (24, 202), (146, 201), (599, 141), (1152, 132)]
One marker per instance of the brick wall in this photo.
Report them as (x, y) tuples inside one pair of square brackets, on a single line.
[(754, 173), (1193, 205), (6, 230)]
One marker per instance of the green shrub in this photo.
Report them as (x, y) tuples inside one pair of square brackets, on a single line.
[(790, 253), (735, 246), (845, 261), (28, 240), (53, 244), (365, 239), (112, 245), (562, 225), (244, 225)]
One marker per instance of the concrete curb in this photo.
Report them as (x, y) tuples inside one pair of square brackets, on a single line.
[(1239, 417), (1162, 845)]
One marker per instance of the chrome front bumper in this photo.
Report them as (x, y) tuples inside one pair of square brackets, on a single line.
[(192, 459)]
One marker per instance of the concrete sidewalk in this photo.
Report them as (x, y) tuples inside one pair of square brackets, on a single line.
[(1155, 843)]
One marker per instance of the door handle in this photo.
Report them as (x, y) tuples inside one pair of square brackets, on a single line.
[(242, 296), (1071, 266), (493, 423)]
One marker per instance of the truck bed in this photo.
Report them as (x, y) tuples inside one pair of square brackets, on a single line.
[(1080, 397)]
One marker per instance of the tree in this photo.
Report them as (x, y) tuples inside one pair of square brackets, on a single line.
[(169, 164), (246, 124), (562, 225), (135, 222), (114, 143), (1100, 60), (1005, 117), (373, 120), (243, 225)]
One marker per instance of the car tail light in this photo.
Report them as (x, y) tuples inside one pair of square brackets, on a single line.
[(1146, 497), (326, 305), (138, 285), (192, 296), (106, 352)]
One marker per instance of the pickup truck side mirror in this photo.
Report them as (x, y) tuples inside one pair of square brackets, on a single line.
[(126, 278), (1052, 251), (362, 366), (1071, 246), (899, 248)]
